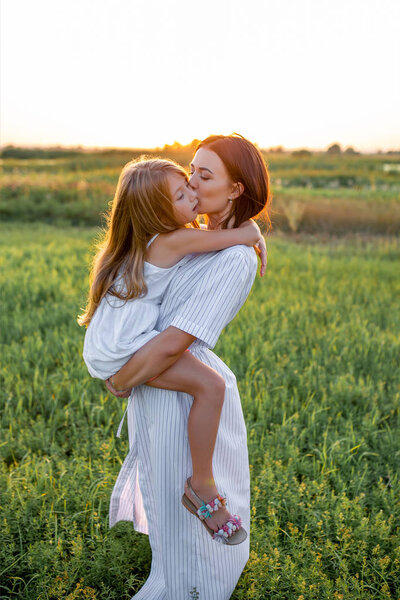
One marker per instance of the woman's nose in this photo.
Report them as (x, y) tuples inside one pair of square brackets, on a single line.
[(192, 181), (192, 193)]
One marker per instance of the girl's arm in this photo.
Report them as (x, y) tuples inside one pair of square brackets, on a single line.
[(260, 247), (187, 241)]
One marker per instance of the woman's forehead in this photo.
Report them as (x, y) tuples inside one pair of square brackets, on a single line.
[(208, 160)]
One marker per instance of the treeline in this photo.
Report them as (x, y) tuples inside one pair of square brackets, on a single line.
[(176, 149), (18, 152)]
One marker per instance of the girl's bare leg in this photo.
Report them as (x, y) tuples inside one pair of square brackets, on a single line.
[(190, 375)]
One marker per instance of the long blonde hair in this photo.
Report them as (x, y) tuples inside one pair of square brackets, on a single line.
[(142, 206)]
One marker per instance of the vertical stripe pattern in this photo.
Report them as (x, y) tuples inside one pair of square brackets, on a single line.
[(205, 294)]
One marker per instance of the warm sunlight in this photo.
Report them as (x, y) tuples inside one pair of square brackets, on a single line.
[(142, 74)]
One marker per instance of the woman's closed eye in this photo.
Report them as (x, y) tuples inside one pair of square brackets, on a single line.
[(201, 176)]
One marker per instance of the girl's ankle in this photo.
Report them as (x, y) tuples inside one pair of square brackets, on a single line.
[(203, 484), (202, 480)]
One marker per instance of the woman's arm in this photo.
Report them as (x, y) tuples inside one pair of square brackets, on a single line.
[(261, 249), (153, 358), (211, 305)]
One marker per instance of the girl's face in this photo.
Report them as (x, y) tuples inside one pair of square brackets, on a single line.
[(210, 181), (183, 197)]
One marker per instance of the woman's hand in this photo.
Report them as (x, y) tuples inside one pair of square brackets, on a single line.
[(259, 244), (119, 394)]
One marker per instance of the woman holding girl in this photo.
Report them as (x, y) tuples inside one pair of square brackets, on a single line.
[(231, 184)]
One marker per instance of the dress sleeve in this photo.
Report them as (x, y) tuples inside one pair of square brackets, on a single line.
[(219, 295)]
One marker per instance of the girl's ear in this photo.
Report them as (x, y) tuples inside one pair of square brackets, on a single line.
[(237, 190)]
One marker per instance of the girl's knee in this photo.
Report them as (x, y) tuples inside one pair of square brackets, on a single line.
[(211, 385), (218, 385)]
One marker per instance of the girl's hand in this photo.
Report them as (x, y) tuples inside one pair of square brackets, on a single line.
[(118, 394), (261, 249), (259, 243), (252, 230)]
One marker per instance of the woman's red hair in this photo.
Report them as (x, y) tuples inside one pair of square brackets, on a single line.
[(244, 163)]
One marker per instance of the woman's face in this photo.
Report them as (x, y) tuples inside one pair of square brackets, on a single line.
[(210, 181)]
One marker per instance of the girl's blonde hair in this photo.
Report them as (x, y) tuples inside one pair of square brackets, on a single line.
[(142, 207)]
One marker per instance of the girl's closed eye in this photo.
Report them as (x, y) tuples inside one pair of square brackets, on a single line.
[(182, 193)]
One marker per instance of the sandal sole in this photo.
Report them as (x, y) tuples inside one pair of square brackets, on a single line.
[(237, 538)]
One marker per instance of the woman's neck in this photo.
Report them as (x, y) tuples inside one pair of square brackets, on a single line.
[(215, 220)]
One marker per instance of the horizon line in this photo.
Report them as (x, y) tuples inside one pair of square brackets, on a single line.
[(178, 145)]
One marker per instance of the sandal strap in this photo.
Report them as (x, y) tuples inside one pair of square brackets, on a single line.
[(205, 510), (192, 491), (232, 525)]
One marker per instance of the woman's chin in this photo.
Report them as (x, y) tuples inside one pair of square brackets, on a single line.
[(200, 209)]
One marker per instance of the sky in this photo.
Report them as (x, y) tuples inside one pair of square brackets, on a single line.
[(130, 73)]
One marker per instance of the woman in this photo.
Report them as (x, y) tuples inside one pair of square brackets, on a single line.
[(204, 296)]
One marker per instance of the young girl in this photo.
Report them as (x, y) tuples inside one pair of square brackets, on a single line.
[(151, 229)]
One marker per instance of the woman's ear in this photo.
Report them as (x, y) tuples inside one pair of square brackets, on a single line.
[(237, 190)]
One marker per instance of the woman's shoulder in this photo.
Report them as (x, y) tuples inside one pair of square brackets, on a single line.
[(244, 254)]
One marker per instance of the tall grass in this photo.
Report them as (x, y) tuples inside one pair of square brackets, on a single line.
[(316, 354), (318, 193)]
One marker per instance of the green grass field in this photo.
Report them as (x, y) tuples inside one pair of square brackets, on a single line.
[(316, 352), (318, 193)]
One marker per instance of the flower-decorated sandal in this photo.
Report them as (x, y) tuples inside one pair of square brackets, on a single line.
[(231, 533)]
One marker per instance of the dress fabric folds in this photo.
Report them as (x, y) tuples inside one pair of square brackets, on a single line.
[(205, 294)]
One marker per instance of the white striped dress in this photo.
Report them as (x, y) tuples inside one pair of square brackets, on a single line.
[(205, 294)]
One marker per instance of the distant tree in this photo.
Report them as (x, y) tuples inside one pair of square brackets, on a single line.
[(8, 151), (302, 153), (334, 149), (350, 150), (194, 143), (275, 150), (175, 146), (29, 152)]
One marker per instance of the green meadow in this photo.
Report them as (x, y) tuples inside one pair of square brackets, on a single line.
[(316, 352), (315, 193)]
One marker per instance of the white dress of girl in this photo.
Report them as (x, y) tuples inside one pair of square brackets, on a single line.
[(119, 328)]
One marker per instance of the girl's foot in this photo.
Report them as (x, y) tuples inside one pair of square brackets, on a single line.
[(208, 492)]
